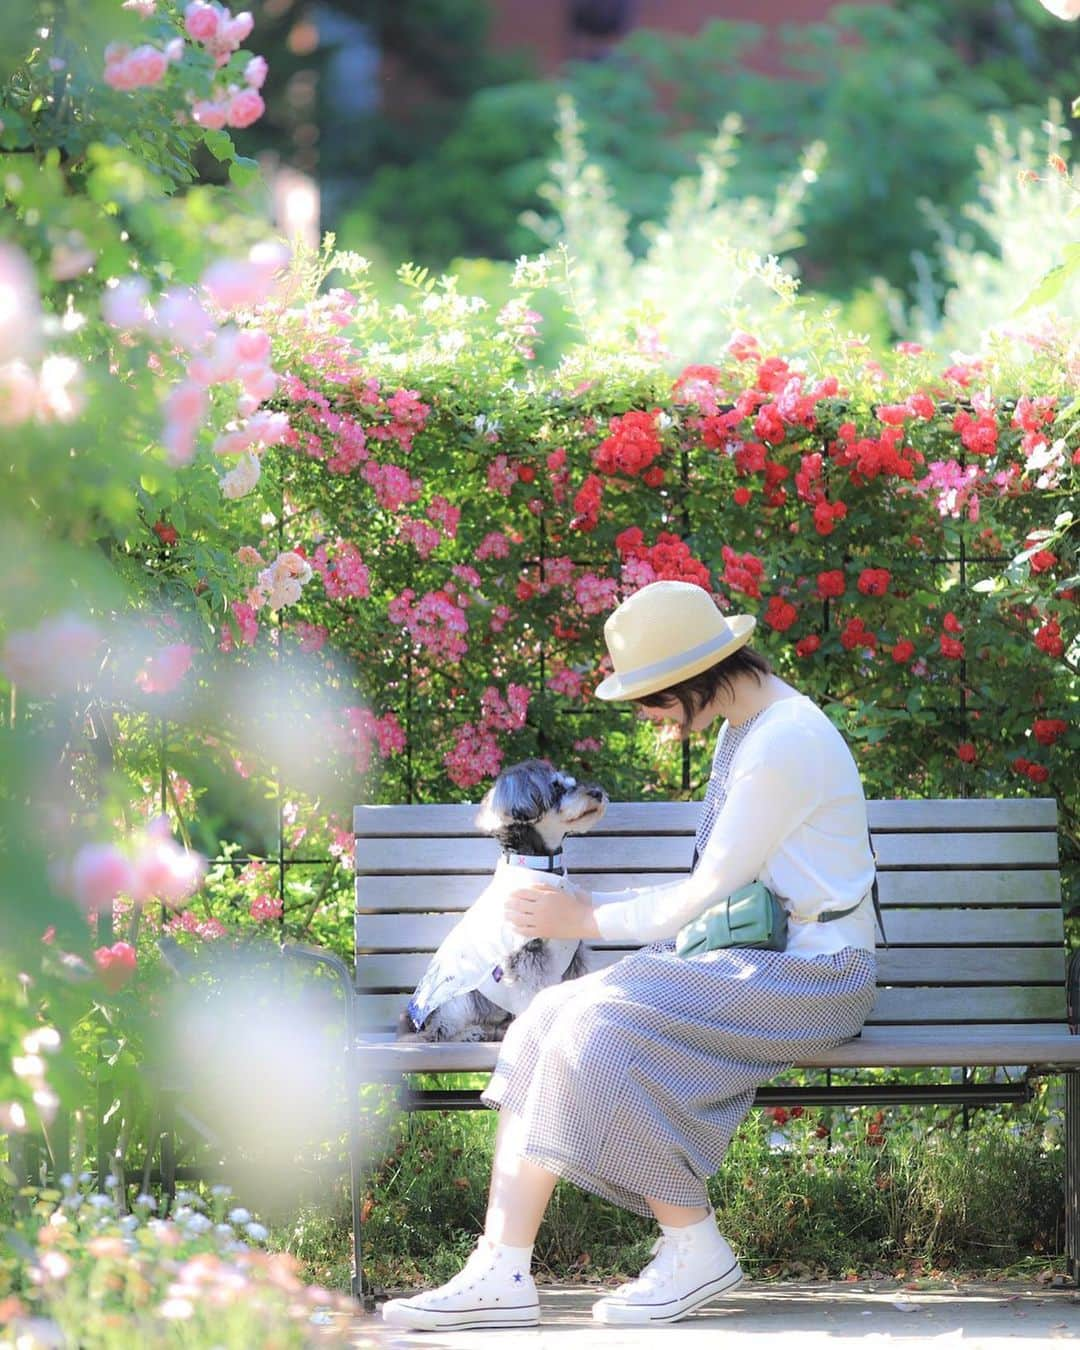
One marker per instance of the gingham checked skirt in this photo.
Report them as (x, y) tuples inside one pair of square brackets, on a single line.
[(633, 1079)]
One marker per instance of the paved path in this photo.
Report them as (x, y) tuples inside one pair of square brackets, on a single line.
[(767, 1316)]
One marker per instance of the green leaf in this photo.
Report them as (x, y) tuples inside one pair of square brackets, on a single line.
[(15, 133), (243, 171), (1051, 286), (220, 145)]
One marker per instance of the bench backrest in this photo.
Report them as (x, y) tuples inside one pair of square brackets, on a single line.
[(970, 891)]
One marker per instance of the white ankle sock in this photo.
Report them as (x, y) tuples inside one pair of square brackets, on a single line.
[(704, 1230), (518, 1256)]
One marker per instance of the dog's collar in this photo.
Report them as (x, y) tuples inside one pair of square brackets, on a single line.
[(539, 862)]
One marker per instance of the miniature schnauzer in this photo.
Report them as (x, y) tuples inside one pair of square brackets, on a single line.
[(486, 972)]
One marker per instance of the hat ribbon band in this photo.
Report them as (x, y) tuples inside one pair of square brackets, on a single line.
[(673, 663)]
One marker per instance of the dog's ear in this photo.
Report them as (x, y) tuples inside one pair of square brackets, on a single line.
[(487, 818)]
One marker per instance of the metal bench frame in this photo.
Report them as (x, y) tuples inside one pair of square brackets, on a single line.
[(976, 972)]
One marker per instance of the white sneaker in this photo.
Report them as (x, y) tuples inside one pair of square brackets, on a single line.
[(683, 1275), (491, 1291)]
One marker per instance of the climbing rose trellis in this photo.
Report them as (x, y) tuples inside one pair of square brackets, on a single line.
[(904, 540)]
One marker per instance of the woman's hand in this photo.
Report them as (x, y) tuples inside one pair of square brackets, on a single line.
[(542, 911)]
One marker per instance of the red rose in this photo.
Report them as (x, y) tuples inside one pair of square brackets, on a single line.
[(903, 651), (780, 614), (951, 623), (855, 634), (1048, 639), (966, 751), (806, 646), (526, 473), (1038, 773), (653, 477), (1046, 730), (632, 446), (830, 584), (587, 504), (741, 496), (874, 580), (952, 648), (1043, 560), (525, 590), (826, 514), (769, 425), (165, 532)]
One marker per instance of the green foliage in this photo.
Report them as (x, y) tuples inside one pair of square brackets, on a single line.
[(898, 96), (897, 1201), (1015, 273)]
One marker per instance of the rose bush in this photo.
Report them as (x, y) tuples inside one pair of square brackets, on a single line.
[(905, 539)]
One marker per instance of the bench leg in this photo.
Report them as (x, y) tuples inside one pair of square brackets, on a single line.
[(316, 956), (1072, 1173)]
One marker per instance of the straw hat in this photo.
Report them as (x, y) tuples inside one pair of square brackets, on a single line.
[(664, 633)]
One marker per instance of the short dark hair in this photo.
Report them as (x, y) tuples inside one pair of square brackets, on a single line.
[(693, 693)]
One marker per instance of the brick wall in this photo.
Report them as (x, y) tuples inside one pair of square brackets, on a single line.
[(544, 27)]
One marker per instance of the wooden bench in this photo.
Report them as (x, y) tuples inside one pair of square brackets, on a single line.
[(975, 973)]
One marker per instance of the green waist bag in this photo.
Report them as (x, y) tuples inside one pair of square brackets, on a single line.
[(749, 917)]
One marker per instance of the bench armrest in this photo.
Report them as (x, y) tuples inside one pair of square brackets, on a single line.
[(1072, 993), (319, 956)]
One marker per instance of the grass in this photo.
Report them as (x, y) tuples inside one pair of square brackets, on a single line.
[(906, 1193)]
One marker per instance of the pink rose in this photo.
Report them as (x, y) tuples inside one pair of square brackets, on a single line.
[(163, 870), (99, 873), (245, 108), (235, 282), (259, 381), (124, 305), (186, 403), (255, 72), (116, 965), (201, 21), (253, 346), (57, 655), (148, 65), (178, 438), (120, 76), (164, 670), (181, 317), (237, 30), (19, 306), (212, 116)]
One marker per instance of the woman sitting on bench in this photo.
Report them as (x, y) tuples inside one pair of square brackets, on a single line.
[(631, 1080)]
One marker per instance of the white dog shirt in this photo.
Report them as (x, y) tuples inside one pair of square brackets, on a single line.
[(476, 953)]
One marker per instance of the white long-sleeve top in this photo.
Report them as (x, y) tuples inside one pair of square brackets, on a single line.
[(794, 818)]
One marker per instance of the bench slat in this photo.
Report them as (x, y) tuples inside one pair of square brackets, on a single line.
[(903, 965), (951, 1007), (630, 853), (942, 928), (998, 888), (877, 1047), (657, 817)]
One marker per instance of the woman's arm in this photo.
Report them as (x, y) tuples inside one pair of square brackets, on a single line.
[(772, 793)]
